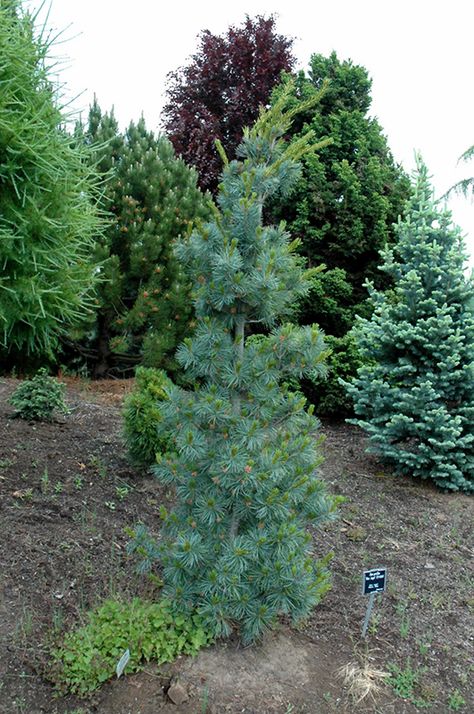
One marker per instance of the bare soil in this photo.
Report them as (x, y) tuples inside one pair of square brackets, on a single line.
[(67, 494)]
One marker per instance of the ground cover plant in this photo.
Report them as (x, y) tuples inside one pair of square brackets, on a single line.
[(88, 656), (415, 398)]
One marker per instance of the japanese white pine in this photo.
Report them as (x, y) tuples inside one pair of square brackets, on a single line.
[(245, 466)]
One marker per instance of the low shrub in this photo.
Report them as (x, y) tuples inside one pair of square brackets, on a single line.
[(142, 416), (88, 656), (38, 398)]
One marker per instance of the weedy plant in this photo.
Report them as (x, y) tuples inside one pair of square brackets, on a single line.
[(45, 484), (405, 682), (38, 398), (88, 656), (456, 701)]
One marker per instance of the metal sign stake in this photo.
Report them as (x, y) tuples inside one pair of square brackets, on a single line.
[(373, 581), (368, 614)]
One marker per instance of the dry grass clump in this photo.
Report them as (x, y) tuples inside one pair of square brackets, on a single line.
[(362, 680)]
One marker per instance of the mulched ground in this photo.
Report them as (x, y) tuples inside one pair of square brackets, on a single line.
[(67, 494)]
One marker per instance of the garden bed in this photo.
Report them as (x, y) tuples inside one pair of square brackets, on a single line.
[(67, 495)]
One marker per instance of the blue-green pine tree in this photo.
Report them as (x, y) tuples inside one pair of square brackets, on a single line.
[(245, 463), (415, 395)]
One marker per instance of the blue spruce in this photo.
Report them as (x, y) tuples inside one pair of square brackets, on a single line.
[(245, 461), (415, 394)]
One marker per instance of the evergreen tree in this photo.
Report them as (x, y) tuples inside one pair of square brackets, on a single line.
[(415, 397), (465, 187), (244, 467), (343, 207), (221, 90), (145, 307), (47, 214), (349, 195)]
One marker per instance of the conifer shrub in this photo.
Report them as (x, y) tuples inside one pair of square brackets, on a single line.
[(342, 209), (348, 196), (48, 193), (415, 394), (87, 657), (327, 392), (245, 457), (38, 398), (152, 196), (143, 423)]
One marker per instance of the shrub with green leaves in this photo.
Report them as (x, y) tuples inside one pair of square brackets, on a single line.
[(343, 205), (326, 392), (88, 656), (142, 416), (37, 399)]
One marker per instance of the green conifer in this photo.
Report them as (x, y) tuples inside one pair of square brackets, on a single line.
[(342, 209), (415, 395), (47, 201), (145, 308), (245, 458)]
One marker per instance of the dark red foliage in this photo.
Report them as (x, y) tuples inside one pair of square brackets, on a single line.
[(220, 91)]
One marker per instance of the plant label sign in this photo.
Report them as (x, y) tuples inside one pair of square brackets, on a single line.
[(374, 581), (122, 663)]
